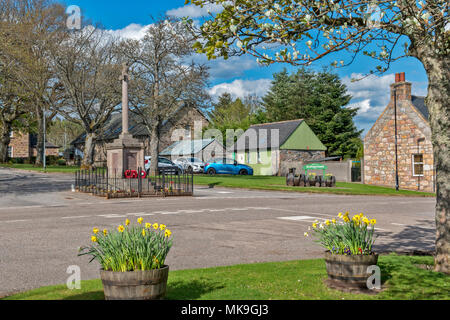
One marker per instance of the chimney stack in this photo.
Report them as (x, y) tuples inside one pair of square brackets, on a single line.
[(402, 87)]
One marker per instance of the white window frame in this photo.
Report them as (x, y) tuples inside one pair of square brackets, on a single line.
[(416, 163), (10, 151)]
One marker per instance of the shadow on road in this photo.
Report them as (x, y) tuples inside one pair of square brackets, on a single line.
[(419, 237), (20, 184)]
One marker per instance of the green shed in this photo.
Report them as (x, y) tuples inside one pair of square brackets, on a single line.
[(273, 148)]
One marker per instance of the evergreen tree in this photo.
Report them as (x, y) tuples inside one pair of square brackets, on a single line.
[(229, 113), (320, 98)]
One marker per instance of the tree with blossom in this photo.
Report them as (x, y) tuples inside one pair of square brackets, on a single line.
[(300, 32)]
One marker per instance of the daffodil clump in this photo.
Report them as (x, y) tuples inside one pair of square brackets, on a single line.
[(346, 235), (143, 246)]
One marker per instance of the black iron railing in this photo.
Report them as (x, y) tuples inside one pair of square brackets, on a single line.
[(113, 184)]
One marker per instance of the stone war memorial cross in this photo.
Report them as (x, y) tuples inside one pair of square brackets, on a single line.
[(126, 152)]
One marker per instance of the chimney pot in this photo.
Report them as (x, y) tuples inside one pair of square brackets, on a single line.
[(397, 77), (402, 77)]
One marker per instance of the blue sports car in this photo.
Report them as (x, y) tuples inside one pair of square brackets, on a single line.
[(227, 166)]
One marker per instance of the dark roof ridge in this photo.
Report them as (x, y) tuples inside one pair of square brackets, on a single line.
[(278, 122)]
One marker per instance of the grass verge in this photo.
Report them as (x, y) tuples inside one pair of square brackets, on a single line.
[(279, 183), (260, 183), (51, 169), (292, 280)]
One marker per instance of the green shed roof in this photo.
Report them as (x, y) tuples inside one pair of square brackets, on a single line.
[(303, 138)]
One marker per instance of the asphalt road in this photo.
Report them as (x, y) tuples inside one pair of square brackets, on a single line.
[(43, 223)]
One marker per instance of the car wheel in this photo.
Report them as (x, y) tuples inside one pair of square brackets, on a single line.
[(243, 172), (212, 172)]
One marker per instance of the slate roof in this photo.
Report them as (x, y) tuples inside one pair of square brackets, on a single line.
[(286, 129), (113, 127), (419, 104), (186, 147)]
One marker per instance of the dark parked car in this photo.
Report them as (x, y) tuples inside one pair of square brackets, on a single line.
[(165, 165)]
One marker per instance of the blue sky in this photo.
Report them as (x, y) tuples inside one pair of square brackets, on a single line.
[(242, 75)]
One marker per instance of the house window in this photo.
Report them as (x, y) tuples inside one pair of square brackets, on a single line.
[(187, 131), (10, 152), (11, 134), (417, 165)]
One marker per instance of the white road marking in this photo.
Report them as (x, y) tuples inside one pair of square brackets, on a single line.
[(112, 216), (298, 218), (15, 221), (306, 212), (75, 217), (17, 208)]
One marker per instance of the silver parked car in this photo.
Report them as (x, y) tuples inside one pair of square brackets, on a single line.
[(191, 164)]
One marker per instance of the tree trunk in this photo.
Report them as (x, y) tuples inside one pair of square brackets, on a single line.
[(5, 139), (154, 147), (89, 150), (40, 138), (438, 103)]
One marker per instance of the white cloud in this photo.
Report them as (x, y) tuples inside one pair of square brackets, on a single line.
[(194, 11), (133, 31), (242, 88)]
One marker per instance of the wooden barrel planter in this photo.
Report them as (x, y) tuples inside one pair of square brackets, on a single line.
[(135, 285), (349, 271)]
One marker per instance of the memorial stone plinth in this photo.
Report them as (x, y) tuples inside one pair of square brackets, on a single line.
[(126, 152)]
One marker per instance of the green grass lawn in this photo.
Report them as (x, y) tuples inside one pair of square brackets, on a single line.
[(260, 182), (279, 183), (293, 280), (52, 169)]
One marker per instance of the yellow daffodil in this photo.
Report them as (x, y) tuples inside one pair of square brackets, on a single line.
[(168, 233), (366, 221), (121, 228), (327, 222), (334, 221), (148, 225), (140, 220), (155, 226), (162, 227), (105, 232), (315, 225), (340, 215), (94, 239), (143, 232), (95, 231), (127, 222), (373, 222), (346, 219)]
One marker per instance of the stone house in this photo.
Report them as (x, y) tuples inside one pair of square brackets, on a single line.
[(23, 146), (416, 169), (274, 148), (180, 126)]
